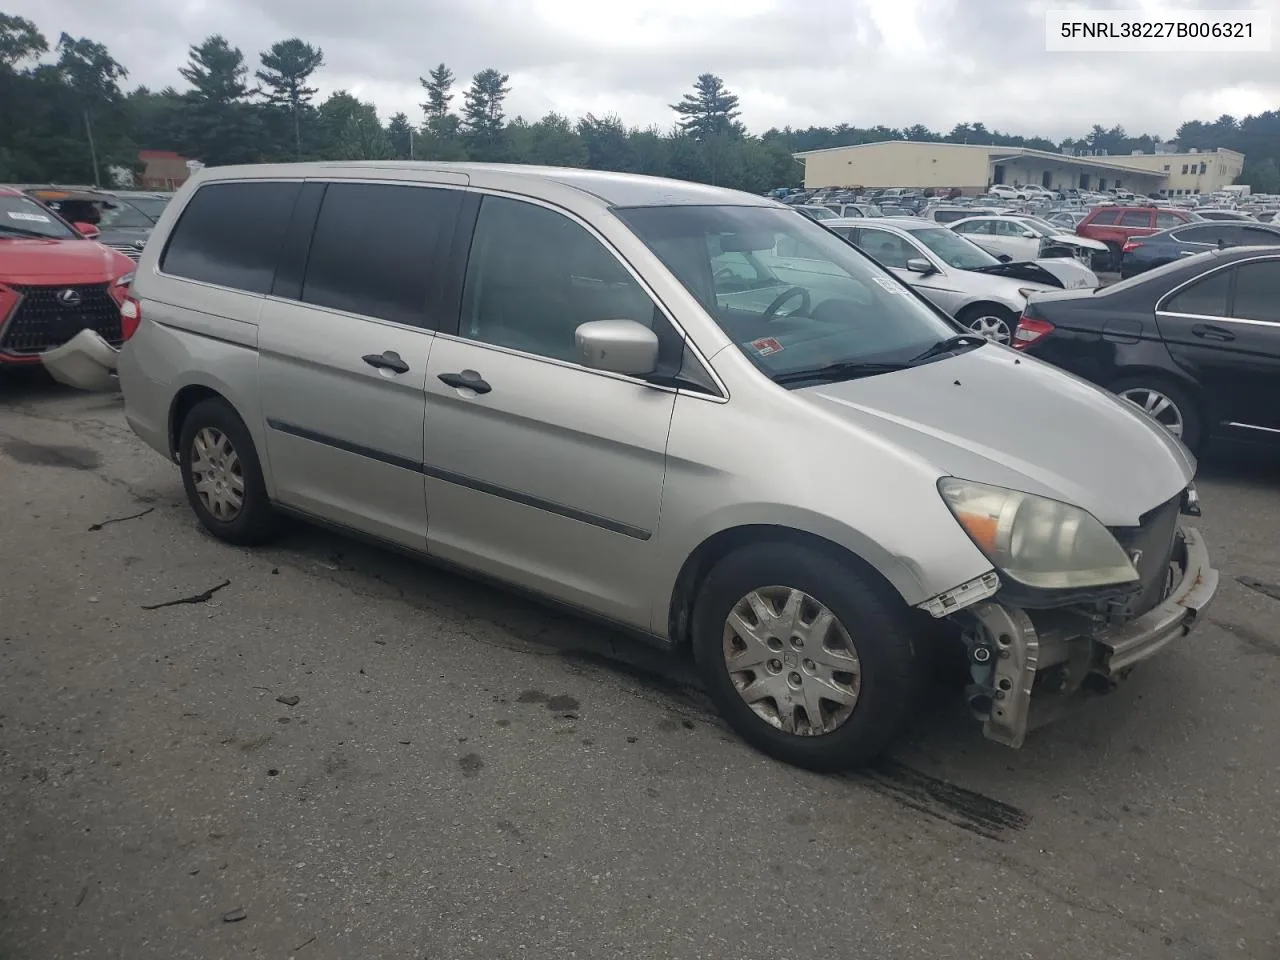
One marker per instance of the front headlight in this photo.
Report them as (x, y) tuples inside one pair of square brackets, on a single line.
[(1036, 541)]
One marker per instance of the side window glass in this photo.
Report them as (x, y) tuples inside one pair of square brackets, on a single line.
[(1205, 298), (1166, 220), (1135, 218), (1257, 237), (373, 249), (1256, 285), (886, 248), (1106, 218), (230, 234), (534, 276)]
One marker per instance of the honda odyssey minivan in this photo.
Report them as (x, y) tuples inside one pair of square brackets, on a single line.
[(690, 412)]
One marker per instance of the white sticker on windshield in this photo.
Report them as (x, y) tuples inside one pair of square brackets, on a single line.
[(888, 284), (33, 217)]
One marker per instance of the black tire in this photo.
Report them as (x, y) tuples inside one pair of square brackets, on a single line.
[(872, 613), (1193, 433), (971, 315), (256, 522)]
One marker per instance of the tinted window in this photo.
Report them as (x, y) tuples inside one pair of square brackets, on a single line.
[(374, 247), (1255, 236), (1166, 220), (534, 276), (1258, 291), (1206, 298), (1135, 218), (1205, 233), (230, 234), (1106, 217)]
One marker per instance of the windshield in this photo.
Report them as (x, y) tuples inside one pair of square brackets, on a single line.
[(793, 296), (821, 213), (953, 249), (1040, 227), (22, 216), (119, 213), (151, 206)]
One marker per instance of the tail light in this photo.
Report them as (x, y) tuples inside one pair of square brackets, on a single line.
[(130, 317), (1030, 331), (1130, 246)]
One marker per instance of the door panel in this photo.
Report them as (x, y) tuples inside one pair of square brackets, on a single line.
[(1235, 358), (343, 350), (345, 438), (551, 477)]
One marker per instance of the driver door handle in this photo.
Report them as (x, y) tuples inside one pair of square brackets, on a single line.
[(1207, 331), (467, 380), (387, 360)]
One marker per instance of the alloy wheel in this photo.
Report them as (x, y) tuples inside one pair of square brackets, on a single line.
[(792, 661), (995, 329), (217, 474), (1157, 406)]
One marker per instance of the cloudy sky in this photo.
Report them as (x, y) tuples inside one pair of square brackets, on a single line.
[(798, 62)]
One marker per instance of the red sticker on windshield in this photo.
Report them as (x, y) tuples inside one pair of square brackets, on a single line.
[(766, 346)]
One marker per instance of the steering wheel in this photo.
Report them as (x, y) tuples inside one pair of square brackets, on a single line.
[(724, 273), (771, 312)]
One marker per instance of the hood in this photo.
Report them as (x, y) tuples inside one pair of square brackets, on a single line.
[(993, 416), (1025, 270), (123, 234), (1071, 240), (32, 260)]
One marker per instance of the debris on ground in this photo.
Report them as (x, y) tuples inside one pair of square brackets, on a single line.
[(234, 916), (289, 701), (203, 597), (133, 516)]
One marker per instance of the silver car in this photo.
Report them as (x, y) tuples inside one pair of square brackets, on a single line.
[(680, 409), (981, 291)]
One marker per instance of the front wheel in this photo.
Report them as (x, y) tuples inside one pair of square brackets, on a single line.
[(993, 322), (805, 655)]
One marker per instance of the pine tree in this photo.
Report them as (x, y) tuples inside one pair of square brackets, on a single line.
[(286, 68)]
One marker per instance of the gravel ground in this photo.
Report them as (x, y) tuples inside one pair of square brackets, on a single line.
[(340, 753)]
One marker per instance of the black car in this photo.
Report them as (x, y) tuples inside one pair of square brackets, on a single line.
[(1142, 253), (1195, 343)]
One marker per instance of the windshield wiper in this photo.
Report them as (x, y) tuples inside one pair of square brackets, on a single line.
[(833, 372), (949, 345)]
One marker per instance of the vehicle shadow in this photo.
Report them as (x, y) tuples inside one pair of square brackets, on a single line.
[(1247, 463)]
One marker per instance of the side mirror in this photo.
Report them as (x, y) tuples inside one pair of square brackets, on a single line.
[(1030, 234), (1005, 258), (87, 229), (617, 346), (921, 266)]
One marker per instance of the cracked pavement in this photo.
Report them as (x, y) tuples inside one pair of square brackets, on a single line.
[(345, 753)]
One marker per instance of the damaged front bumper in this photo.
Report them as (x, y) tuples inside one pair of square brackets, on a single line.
[(1029, 667), (86, 362)]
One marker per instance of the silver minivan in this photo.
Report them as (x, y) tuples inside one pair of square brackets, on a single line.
[(690, 412)]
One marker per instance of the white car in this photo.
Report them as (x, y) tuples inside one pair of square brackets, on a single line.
[(1026, 238), (959, 277)]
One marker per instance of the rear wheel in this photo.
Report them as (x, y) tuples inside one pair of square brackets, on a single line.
[(222, 475), (991, 321), (1166, 403), (806, 656)]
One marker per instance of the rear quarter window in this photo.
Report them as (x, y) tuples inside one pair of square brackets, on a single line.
[(230, 234)]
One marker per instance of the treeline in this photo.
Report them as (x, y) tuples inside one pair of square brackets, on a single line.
[(63, 108)]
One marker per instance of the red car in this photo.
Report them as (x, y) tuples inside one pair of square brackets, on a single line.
[(54, 281), (1114, 224)]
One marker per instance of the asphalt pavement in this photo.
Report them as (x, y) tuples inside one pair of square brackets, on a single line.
[(325, 751)]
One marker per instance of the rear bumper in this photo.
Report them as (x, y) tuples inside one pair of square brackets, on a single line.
[(1046, 661), (86, 362)]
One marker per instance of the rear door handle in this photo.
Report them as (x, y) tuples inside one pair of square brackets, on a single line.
[(1207, 331), (467, 379), (388, 360)]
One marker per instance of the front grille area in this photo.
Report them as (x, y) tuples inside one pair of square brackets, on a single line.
[(1155, 537), (43, 319), (128, 249)]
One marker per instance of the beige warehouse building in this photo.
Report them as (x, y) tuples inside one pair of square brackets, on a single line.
[(974, 168)]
